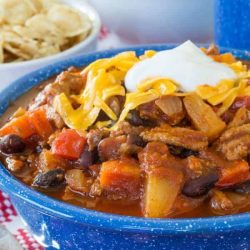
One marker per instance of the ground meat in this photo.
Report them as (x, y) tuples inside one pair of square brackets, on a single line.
[(183, 137), (94, 137), (71, 82), (150, 111), (54, 117), (156, 154), (124, 128), (46, 96), (234, 143)]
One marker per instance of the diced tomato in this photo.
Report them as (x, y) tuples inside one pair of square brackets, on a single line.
[(121, 174), (41, 123), (232, 174), (68, 144), (241, 101), (20, 126)]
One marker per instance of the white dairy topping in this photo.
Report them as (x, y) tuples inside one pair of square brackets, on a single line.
[(186, 65)]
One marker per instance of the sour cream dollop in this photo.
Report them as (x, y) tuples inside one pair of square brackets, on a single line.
[(186, 65)]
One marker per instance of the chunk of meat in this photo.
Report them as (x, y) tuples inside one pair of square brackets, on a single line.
[(121, 177), (156, 154), (54, 117), (194, 167), (94, 137), (242, 116), (48, 161), (71, 82), (124, 128), (163, 184), (149, 111), (184, 137), (46, 96), (234, 143), (203, 117), (172, 107)]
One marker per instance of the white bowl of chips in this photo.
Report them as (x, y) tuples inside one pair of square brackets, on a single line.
[(34, 33)]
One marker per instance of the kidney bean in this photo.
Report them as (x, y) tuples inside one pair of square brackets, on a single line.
[(12, 144), (52, 179), (200, 185)]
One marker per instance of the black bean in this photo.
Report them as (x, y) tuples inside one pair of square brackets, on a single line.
[(243, 188), (86, 159), (201, 185), (12, 144), (52, 179), (181, 152)]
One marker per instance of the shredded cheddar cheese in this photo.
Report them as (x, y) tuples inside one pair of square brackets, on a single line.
[(105, 77)]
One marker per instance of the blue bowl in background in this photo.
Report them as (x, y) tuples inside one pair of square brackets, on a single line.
[(232, 25), (57, 225)]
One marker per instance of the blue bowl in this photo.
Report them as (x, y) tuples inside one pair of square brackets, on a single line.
[(57, 225)]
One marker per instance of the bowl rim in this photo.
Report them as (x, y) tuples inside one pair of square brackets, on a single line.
[(96, 27), (45, 204)]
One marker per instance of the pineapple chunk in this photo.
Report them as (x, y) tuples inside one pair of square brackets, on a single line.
[(162, 187), (203, 116)]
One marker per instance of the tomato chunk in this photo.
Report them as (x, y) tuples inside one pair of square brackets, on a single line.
[(68, 144)]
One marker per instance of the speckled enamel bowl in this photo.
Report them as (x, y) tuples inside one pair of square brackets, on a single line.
[(57, 225)]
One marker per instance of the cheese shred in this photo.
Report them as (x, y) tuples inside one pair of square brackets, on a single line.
[(105, 79)]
